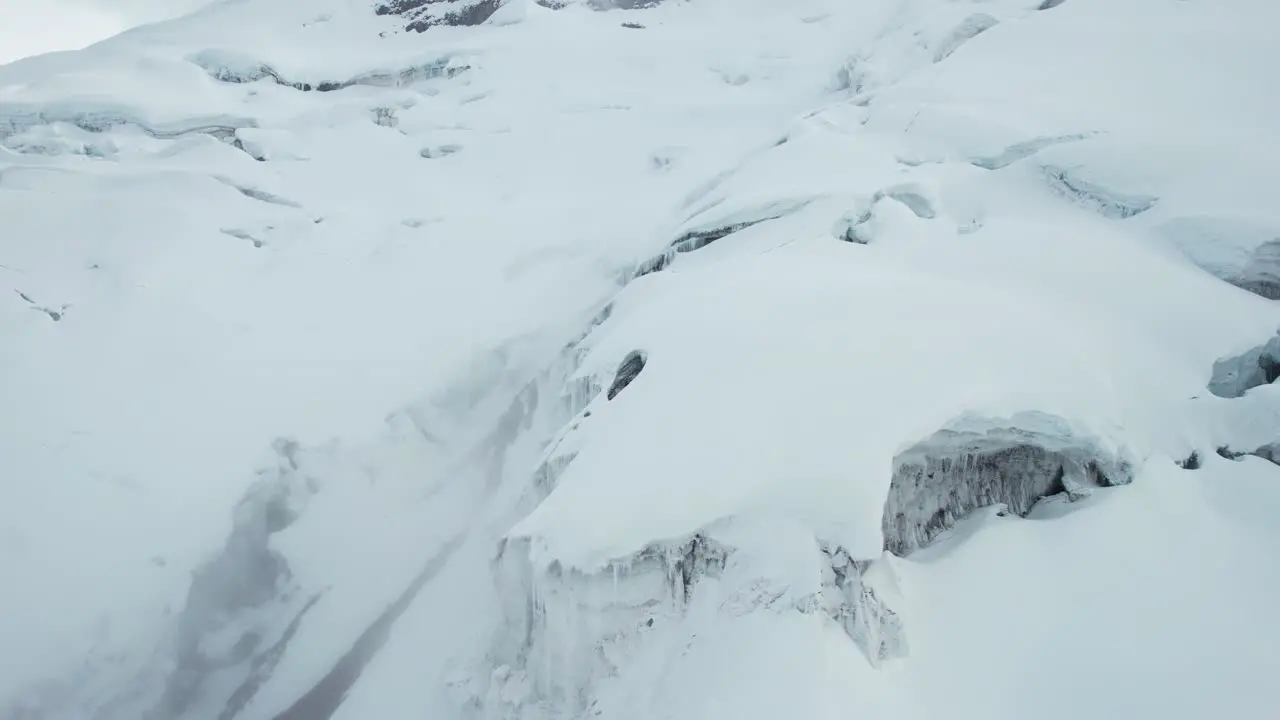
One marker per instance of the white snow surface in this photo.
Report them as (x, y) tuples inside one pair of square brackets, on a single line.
[(399, 304)]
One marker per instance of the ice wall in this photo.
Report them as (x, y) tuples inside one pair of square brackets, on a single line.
[(1233, 377), (859, 595), (980, 463), (566, 630)]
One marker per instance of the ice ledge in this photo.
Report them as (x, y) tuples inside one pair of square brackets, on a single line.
[(979, 462)]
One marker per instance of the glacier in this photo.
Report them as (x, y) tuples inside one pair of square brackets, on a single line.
[(634, 359)]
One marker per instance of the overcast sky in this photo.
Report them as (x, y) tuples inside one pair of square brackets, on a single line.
[(30, 27)]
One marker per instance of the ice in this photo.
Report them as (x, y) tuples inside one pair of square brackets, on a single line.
[(1241, 250), (1234, 376), (613, 344), (565, 630), (970, 28), (975, 464), (865, 595), (234, 68)]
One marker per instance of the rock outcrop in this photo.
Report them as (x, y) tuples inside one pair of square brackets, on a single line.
[(628, 371), (425, 14)]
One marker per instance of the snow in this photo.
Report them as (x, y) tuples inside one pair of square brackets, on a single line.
[(1196, 648), (847, 401), (421, 259)]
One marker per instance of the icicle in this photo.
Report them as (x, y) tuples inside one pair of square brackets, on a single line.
[(571, 630), (541, 617)]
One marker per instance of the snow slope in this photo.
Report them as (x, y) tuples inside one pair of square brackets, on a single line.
[(705, 360)]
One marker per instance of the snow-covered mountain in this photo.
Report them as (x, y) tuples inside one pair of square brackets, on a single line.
[(693, 360)]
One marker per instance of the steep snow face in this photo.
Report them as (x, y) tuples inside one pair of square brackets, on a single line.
[(710, 359)]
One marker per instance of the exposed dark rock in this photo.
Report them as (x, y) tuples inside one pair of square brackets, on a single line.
[(425, 14), (622, 4), (633, 26), (1014, 463), (627, 371), (1233, 377), (1191, 462), (1228, 453), (1050, 4)]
